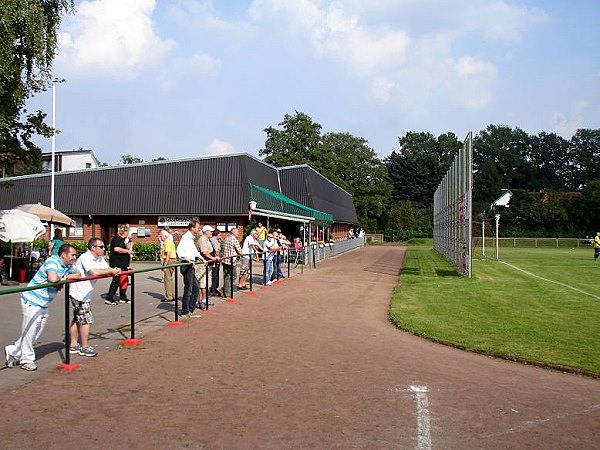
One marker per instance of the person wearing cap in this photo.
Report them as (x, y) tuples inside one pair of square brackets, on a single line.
[(206, 252), (188, 253)]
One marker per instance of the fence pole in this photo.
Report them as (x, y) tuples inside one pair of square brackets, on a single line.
[(251, 258), (175, 274), (231, 273), (67, 326), (207, 287), (132, 306)]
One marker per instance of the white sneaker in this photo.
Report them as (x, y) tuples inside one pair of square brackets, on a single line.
[(29, 366)]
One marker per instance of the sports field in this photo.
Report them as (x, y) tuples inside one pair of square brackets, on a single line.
[(536, 304)]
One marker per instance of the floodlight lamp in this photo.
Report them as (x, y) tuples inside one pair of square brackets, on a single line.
[(503, 200)]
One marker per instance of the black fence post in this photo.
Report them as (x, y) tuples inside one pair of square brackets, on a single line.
[(132, 306), (206, 267), (176, 280), (67, 326), (251, 258), (231, 274)]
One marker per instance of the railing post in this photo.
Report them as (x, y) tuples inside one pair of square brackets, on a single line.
[(207, 285), (251, 258), (67, 326), (175, 274), (231, 274), (132, 306)]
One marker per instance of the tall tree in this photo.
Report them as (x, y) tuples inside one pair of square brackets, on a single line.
[(507, 149), (549, 163), (27, 47), (350, 163), (295, 144), (346, 160), (584, 152), (417, 168)]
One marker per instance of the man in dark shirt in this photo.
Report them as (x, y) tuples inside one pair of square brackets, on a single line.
[(120, 257)]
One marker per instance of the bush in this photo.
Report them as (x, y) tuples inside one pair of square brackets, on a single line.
[(145, 251)]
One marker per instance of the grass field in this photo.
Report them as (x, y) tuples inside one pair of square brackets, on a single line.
[(504, 311)]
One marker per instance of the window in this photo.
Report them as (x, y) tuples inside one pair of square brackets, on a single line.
[(77, 230), (223, 226)]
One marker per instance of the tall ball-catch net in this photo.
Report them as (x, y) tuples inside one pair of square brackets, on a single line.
[(452, 219)]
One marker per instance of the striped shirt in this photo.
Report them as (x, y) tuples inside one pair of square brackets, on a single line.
[(44, 296)]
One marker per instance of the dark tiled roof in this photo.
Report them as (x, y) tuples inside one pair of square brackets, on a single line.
[(203, 186), (307, 186)]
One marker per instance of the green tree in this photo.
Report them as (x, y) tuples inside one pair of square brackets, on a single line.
[(584, 152), (27, 50), (587, 207), (128, 159), (349, 162), (507, 149), (549, 163), (344, 159), (417, 168), (297, 143)]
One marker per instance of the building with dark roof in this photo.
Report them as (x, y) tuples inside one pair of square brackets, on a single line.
[(224, 191)]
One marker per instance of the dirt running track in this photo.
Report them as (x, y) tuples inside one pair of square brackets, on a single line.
[(310, 363)]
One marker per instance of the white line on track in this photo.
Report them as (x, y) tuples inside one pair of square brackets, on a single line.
[(423, 432), (551, 281)]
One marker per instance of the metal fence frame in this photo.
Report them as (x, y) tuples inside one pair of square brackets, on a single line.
[(452, 211)]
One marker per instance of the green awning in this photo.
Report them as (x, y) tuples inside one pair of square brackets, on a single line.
[(276, 202)]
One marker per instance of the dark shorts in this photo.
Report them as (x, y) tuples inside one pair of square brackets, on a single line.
[(82, 312)]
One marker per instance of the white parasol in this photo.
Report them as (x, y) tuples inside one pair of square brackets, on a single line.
[(19, 226)]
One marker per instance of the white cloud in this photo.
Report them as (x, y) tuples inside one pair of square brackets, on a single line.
[(219, 147), (111, 37), (381, 88)]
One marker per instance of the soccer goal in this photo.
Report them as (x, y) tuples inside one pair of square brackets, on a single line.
[(452, 211)]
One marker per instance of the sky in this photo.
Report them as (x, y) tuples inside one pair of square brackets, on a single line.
[(186, 78)]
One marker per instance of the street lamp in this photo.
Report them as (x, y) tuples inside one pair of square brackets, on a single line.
[(503, 200)]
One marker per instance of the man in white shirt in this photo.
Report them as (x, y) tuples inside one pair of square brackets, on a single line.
[(188, 252), (91, 263), (250, 246)]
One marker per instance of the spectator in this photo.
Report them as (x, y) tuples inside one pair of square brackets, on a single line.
[(215, 241), (261, 234), (596, 245), (120, 257), (56, 242), (270, 248), (168, 256), (206, 253), (231, 250), (298, 249), (188, 253), (34, 305), (91, 263), (249, 247)]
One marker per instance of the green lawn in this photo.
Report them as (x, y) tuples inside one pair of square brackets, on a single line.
[(503, 311)]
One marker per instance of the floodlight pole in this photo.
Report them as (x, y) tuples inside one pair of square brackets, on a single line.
[(497, 227)]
